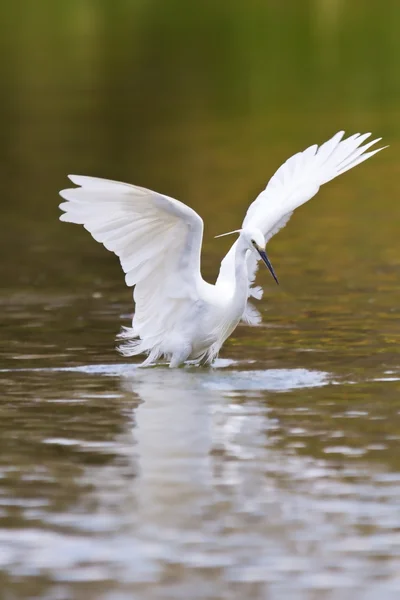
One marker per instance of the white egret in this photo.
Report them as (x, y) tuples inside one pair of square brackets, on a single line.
[(158, 240)]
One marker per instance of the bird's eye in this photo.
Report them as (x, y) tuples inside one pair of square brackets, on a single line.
[(253, 242)]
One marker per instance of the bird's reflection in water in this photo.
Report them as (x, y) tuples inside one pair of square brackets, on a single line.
[(194, 477), (173, 436)]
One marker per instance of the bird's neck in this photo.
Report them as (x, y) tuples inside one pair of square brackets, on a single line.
[(241, 277)]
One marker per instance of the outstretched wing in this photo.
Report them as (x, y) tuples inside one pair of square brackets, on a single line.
[(157, 239), (293, 184), (300, 178)]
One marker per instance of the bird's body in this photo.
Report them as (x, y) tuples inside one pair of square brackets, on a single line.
[(197, 328), (178, 315)]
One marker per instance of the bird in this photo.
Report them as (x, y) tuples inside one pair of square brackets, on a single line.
[(179, 318)]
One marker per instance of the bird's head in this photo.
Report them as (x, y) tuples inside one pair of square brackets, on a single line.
[(254, 238), (256, 242)]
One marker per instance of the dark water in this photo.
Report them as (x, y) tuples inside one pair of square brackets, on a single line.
[(277, 473)]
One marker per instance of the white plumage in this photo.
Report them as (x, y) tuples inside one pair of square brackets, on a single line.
[(158, 241)]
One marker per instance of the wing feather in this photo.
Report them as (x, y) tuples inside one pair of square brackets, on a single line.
[(293, 184), (301, 176), (137, 225), (158, 242)]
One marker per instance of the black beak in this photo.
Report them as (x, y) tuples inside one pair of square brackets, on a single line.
[(265, 259)]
